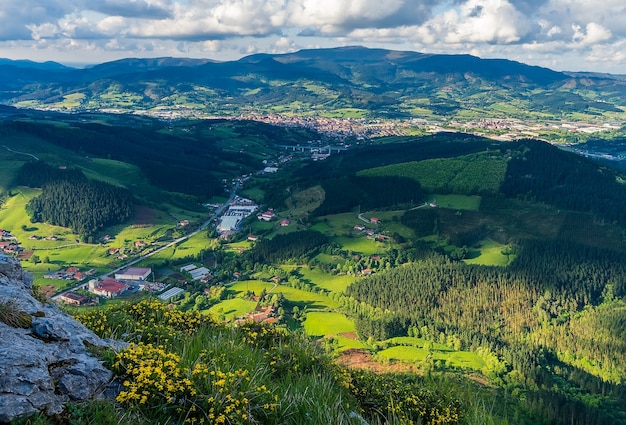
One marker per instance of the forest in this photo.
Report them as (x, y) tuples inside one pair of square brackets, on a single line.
[(545, 316), (68, 199)]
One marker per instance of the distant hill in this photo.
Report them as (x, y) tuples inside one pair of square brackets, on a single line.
[(345, 82), (23, 63)]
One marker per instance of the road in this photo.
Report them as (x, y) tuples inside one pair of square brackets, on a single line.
[(21, 153), (134, 261)]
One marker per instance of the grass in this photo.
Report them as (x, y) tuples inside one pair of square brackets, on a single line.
[(344, 343), (319, 323), (360, 245), (456, 202), (8, 171), (491, 254), (114, 172), (231, 309), (415, 350), (304, 202), (12, 315), (298, 297), (321, 279)]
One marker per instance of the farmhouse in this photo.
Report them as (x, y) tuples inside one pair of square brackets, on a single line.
[(266, 216), (134, 273), (73, 298), (285, 223), (108, 288)]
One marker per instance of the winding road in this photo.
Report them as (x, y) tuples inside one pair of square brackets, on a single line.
[(21, 153)]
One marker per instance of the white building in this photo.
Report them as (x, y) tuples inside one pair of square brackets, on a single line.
[(134, 273)]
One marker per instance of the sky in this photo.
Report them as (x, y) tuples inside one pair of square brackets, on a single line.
[(565, 35)]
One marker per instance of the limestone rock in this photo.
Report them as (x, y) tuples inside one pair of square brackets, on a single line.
[(49, 363)]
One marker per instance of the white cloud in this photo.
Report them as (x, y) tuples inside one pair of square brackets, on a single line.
[(593, 34), (520, 29)]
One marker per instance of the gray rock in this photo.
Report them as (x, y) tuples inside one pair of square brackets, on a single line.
[(43, 367)]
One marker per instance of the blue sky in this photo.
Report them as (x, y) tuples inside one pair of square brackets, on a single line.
[(575, 35)]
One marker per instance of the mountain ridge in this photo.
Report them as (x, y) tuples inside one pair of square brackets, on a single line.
[(345, 82)]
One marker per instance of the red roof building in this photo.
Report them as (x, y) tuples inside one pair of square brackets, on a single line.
[(108, 288)]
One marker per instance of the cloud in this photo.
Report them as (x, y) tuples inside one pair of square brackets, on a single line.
[(144, 9), (511, 28), (593, 34)]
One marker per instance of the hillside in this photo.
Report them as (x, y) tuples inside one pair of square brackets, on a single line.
[(446, 260), (347, 82)]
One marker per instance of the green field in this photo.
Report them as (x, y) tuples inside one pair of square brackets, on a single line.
[(327, 324), (360, 245), (456, 202), (232, 309), (321, 279), (298, 297), (337, 224), (469, 174), (491, 254), (415, 350)]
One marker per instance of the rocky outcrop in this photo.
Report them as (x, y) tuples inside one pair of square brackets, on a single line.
[(45, 357)]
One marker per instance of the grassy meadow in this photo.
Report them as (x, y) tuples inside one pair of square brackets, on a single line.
[(417, 350)]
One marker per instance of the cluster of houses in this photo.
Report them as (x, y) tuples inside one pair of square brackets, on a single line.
[(269, 215), (373, 233), (262, 313), (70, 273), (202, 274), (8, 243)]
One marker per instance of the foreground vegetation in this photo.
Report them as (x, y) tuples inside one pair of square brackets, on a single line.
[(188, 369)]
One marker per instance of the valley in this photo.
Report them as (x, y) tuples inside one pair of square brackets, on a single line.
[(452, 237)]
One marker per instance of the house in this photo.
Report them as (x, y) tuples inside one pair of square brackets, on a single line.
[(266, 216), (285, 223), (366, 272), (375, 220), (108, 288), (206, 278), (73, 298), (261, 314), (139, 244), (253, 238), (183, 223), (359, 227), (134, 273)]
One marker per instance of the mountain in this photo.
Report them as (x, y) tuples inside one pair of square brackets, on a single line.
[(345, 82), (28, 64)]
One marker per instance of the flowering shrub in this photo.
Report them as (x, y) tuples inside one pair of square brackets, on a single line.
[(155, 381), (153, 377), (149, 321), (262, 335), (401, 399)]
